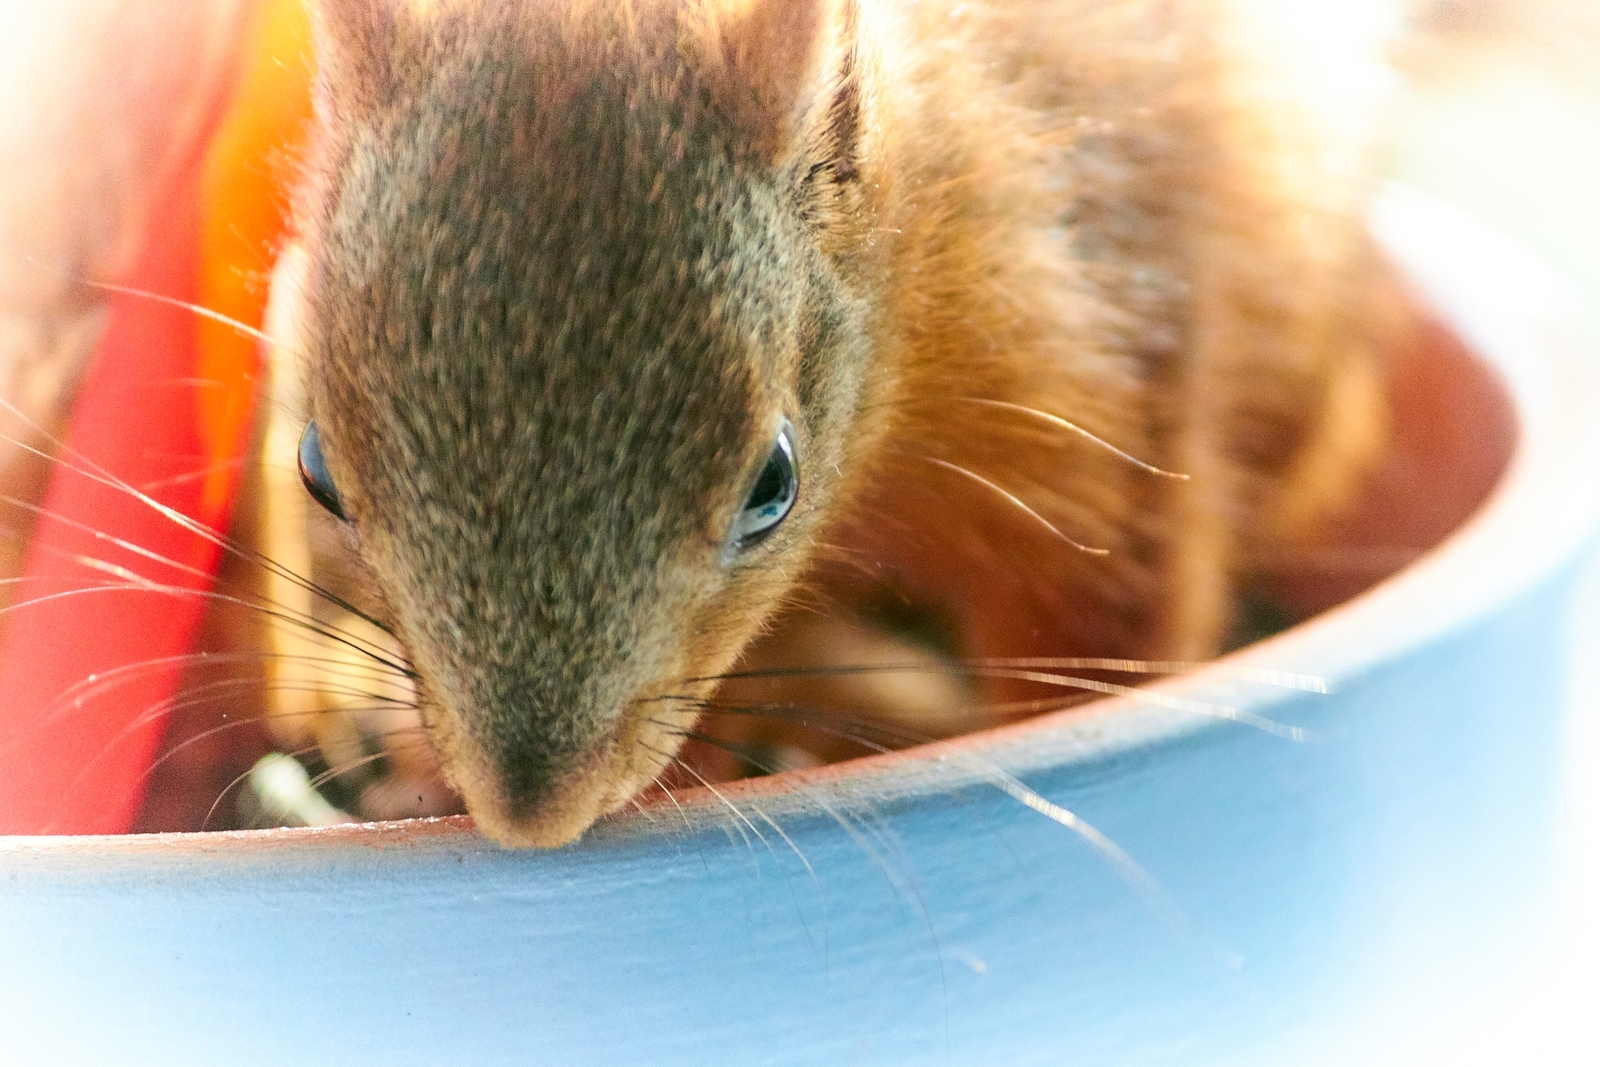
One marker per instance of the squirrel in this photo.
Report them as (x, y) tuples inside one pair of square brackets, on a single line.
[(635, 347)]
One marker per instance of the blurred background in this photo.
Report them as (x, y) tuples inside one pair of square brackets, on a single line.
[(1502, 119)]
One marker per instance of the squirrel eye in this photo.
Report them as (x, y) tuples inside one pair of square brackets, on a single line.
[(314, 472), (772, 497)]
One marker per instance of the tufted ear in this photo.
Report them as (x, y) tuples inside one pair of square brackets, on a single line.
[(358, 46), (772, 62)]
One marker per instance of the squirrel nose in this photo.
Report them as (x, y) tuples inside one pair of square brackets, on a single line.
[(539, 804), (529, 781), (534, 769)]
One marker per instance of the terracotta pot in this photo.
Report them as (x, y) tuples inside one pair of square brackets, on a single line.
[(1256, 892)]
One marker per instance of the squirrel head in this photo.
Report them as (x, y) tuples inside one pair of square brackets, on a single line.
[(588, 299)]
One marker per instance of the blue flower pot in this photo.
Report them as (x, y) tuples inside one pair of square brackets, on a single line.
[(1260, 869)]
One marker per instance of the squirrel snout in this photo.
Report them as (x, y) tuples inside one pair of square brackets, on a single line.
[(546, 809), (538, 762), (523, 795)]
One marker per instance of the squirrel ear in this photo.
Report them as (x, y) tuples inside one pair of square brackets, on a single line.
[(767, 57), (356, 42)]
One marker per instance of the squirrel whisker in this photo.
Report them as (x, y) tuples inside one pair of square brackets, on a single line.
[(227, 544), (1017, 502), (197, 309), (1058, 421)]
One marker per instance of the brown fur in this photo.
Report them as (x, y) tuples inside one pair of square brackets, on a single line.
[(567, 266)]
